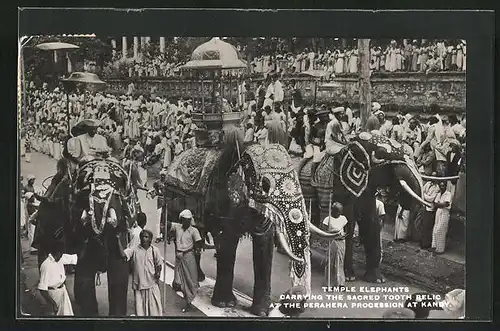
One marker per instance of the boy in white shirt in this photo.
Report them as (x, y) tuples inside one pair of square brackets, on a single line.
[(334, 267), (53, 278)]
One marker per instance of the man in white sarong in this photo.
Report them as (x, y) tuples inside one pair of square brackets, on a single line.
[(52, 280), (147, 265), (188, 244)]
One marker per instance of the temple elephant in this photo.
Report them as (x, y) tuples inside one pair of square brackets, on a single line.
[(239, 189), (369, 161), (87, 207), (103, 204)]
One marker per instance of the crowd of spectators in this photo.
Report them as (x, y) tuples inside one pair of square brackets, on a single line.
[(163, 128), (397, 56)]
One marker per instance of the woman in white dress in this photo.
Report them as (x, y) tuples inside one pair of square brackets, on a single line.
[(393, 59), (339, 65), (347, 56), (399, 59), (353, 62)]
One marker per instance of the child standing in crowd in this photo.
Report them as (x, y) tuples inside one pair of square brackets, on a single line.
[(334, 268), (442, 204)]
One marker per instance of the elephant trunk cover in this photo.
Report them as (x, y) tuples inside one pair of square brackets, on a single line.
[(102, 199)]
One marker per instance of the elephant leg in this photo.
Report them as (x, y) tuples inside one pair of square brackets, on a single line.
[(369, 230), (84, 287), (118, 275), (226, 255), (262, 265), (349, 241)]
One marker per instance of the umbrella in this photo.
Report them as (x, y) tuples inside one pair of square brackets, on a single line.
[(55, 46)]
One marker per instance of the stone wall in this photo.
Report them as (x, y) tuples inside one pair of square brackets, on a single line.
[(413, 92)]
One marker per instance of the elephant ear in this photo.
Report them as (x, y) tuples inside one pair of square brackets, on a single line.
[(354, 169)]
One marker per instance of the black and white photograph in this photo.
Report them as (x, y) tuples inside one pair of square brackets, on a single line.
[(242, 177)]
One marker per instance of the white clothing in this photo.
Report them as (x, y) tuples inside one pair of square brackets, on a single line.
[(380, 207), (441, 222), (401, 226), (52, 272), (335, 223), (333, 128), (84, 145), (52, 278), (135, 239), (279, 94), (270, 90)]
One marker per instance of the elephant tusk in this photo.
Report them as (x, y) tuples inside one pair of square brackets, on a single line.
[(287, 249), (322, 233), (438, 178), (407, 188), (84, 214)]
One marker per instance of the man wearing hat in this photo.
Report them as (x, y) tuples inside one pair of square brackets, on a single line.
[(88, 144), (188, 244)]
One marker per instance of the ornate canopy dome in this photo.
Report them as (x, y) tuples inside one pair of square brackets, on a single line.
[(215, 53)]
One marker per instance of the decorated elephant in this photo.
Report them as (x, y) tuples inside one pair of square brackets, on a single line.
[(246, 189), (352, 176), (103, 204), (89, 206)]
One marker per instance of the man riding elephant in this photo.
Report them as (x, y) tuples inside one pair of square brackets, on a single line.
[(86, 144)]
